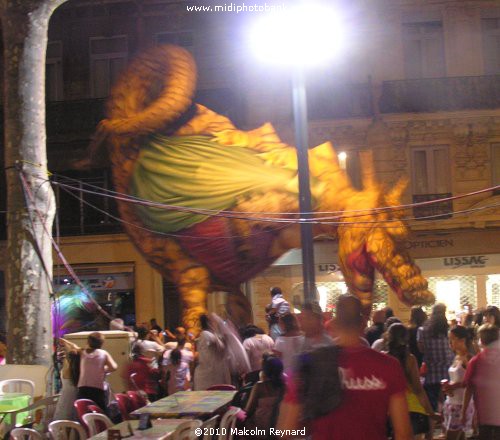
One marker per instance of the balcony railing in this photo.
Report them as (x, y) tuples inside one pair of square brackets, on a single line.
[(344, 101), (432, 211), (435, 94)]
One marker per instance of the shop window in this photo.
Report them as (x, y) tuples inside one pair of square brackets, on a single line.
[(424, 49), (493, 290), (456, 292), (53, 72), (108, 57), (380, 294), (491, 45), (111, 288), (495, 166), (431, 181)]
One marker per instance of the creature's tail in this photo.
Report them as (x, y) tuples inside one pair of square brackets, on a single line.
[(154, 92)]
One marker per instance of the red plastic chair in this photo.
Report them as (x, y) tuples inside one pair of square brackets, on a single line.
[(125, 405), (86, 406), (138, 400), (222, 387)]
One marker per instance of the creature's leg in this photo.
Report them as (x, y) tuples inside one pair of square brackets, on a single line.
[(239, 308), (193, 284)]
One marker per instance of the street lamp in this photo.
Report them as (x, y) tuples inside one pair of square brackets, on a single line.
[(300, 37)]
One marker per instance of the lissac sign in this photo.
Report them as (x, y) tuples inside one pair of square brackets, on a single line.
[(468, 261)]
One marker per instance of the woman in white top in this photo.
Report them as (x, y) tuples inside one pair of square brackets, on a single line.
[(289, 344), (211, 368), (94, 364), (461, 343)]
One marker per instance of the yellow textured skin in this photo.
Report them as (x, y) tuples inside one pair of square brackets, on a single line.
[(155, 95)]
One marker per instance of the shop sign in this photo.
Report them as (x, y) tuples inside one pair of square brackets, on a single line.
[(467, 261), (328, 268), (429, 244)]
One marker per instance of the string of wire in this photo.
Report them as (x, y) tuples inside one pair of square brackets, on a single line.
[(341, 213), (420, 220)]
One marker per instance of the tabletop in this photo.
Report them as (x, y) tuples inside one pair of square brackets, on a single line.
[(195, 404), (162, 429), (12, 403)]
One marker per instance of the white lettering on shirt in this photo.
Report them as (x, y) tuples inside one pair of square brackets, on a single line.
[(361, 383)]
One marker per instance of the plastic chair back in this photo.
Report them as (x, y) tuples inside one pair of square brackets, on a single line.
[(24, 386), (124, 405), (137, 399), (94, 409), (228, 422), (186, 430), (222, 387), (209, 424), (85, 406), (67, 430), (25, 434), (97, 423)]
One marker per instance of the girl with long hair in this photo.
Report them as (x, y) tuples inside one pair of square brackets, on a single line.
[(178, 376), (418, 403), (266, 395), (94, 364), (461, 343)]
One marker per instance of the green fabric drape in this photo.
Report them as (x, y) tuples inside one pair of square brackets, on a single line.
[(196, 172)]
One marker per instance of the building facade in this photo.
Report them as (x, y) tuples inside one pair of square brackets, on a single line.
[(418, 83)]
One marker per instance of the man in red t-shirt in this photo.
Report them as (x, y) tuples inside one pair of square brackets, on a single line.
[(482, 380), (373, 387)]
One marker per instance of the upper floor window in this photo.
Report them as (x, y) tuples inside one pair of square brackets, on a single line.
[(108, 57), (431, 181), (85, 212), (429, 169), (491, 45), (181, 38), (53, 72), (424, 49)]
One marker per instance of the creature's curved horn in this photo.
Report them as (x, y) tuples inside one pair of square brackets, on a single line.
[(393, 197), (154, 91)]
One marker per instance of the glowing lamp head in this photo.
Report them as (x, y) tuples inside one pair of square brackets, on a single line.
[(306, 34)]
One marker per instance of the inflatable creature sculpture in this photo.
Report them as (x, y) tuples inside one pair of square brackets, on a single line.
[(228, 192)]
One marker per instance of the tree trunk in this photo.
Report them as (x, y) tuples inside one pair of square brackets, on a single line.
[(29, 271)]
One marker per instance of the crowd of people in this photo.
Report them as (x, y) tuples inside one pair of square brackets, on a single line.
[(339, 378)]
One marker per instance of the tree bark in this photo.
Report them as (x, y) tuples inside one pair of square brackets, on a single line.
[(29, 271)]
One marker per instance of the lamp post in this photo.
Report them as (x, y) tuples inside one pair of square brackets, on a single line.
[(300, 37), (299, 100)]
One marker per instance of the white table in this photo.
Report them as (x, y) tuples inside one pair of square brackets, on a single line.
[(162, 429)]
